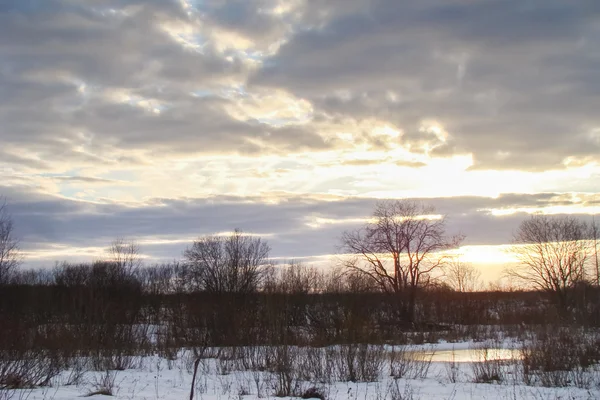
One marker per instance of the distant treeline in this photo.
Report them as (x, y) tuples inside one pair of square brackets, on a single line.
[(106, 307)]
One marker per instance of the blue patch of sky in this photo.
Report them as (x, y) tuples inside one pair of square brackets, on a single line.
[(197, 4), (202, 93), (199, 39), (163, 107), (68, 190), (253, 55), (277, 122), (135, 100), (234, 91), (195, 42)]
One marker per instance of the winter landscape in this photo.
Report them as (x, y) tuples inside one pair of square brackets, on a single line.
[(296, 199), (399, 318)]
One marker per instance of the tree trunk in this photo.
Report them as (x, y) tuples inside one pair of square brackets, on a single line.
[(196, 363)]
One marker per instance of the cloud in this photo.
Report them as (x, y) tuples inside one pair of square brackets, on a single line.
[(85, 84), (95, 83), (511, 82), (167, 119), (86, 179), (295, 225)]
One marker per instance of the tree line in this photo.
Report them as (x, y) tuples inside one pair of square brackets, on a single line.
[(401, 250)]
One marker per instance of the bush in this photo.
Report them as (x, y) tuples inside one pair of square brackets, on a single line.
[(408, 362), (313, 393), (285, 381), (359, 362), (27, 369), (105, 385), (560, 357), (487, 366), (317, 364)]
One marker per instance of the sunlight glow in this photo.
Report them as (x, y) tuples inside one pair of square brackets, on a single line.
[(436, 128), (387, 131), (230, 233), (318, 222), (486, 254), (276, 107)]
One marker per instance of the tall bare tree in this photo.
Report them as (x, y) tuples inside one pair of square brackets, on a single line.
[(121, 267), (10, 255), (235, 263), (125, 253), (295, 277), (462, 277), (552, 252), (400, 248)]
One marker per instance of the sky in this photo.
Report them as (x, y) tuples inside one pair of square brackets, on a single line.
[(161, 120)]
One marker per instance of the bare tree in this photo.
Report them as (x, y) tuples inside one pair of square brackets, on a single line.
[(552, 253), (235, 263), (10, 255), (462, 277), (71, 275), (400, 248), (121, 266), (159, 278), (125, 253), (296, 277)]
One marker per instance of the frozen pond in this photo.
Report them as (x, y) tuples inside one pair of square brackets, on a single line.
[(467, 355)]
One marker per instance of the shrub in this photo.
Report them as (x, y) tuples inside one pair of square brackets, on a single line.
[(105, 385), (26, 369), (359, 362), (560, 357), (408, 362), (313, 393), (487, 366)]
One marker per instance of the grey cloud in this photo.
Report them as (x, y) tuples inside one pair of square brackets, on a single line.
[(501, 76), (515, 83), (44, 220), (198, 126), (247, 18), (60, 59), (518, 97), (16, 159)]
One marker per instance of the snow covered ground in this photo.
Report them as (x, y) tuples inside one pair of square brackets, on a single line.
[(447, 377)]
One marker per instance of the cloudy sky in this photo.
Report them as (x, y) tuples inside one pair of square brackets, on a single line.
[(164, 120)]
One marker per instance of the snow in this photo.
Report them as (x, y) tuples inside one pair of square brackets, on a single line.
[(161, 379)]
